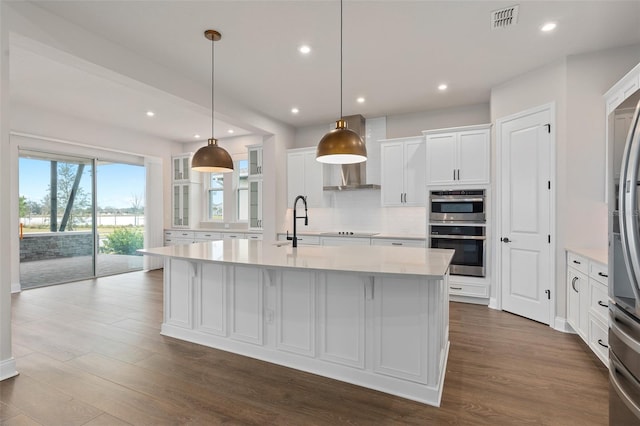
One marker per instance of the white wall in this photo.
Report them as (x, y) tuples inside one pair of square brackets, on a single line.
[(588, 78), (412, 124)]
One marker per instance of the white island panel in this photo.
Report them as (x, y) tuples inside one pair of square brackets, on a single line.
[(375, 317)]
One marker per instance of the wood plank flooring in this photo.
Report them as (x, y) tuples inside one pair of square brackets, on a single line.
[(90, 353)]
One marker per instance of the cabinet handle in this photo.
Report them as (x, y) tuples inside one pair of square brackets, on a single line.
[(454, 174), (603, 275), (573, 284), (576, 262), (455, 288), (601, 343), (396, 244), (604, 305), (458, 174)]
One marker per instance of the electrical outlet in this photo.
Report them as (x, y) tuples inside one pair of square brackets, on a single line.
[(226, 225)]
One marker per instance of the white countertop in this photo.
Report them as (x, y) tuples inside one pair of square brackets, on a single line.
[(432, 263), (601, 256)]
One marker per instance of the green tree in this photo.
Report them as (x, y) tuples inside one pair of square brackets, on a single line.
[(82, 201), (124, 240), (23, 206)]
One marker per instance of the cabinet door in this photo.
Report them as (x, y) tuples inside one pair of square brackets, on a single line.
[(255, 161), (255, 204), (313, 179), (441, 159), (177, 206), (415, 154), (473, 157), (392, 179), (295, 176), (177, 168), (185, 204), (578, 293)]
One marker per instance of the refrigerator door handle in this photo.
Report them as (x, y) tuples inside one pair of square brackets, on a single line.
[(629, 231), (624, 336), (617, 369)]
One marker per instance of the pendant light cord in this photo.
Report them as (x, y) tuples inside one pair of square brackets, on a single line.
[(340, 59), (213, 86)]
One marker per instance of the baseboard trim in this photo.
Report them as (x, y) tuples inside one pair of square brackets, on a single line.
[(8, 369), (561, 324), (16, 288), (493, 304)]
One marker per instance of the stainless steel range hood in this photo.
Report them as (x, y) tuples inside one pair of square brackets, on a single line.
[(352, 176)]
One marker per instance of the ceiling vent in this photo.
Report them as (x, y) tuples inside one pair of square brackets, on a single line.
[(504, 18)]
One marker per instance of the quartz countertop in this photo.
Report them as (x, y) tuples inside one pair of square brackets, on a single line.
[(598, 255), (431, 263)]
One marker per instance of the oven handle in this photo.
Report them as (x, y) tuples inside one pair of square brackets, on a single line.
[(456, 200), (459, 237)]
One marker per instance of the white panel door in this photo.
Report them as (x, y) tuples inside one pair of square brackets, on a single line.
[(211, 311), (247, 305), (473, 157), (392, 180), (415, 189), (525, 216), (295, 176), (295, 312), (441, 158), (341, 319)]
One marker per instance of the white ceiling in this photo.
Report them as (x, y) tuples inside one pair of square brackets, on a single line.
[(395, 55)]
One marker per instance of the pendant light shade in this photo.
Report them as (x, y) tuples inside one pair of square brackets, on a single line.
[(212, 158), (341, 145)]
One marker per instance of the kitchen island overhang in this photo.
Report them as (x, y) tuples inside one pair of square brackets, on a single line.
[(373, 316)]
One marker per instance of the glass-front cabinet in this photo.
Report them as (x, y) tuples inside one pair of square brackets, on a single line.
[(255, 204), (255, 160), (185, 194)]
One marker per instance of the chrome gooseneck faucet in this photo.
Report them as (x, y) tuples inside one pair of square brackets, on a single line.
[(295, 217)]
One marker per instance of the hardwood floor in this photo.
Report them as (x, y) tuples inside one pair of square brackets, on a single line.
[(90, 353)]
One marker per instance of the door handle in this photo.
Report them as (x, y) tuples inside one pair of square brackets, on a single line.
[(573, 284), (505, 240)]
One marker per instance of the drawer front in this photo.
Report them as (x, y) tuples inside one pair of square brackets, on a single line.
[(309, 240), (471, 290), (599, 300), (599, 339), (254, 237), (599, 272), (229, 236), (397, 243), (207, 236), (578, 262)]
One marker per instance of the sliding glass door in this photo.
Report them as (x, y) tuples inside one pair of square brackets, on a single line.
[(79, 218), (56, 206)]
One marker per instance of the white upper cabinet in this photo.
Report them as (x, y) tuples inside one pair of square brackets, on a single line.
[(181, 169), (403, 172), (458, 156), (304, 177), (255, 160), (255, 204)]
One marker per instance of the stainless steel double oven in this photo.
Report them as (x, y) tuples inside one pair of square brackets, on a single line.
[(457, 220)]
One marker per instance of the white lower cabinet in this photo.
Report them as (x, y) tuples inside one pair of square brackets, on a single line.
[(588, 302), (397, 242), (344, 241), (178, 296), (296, 312), (246, 304), (211, 297)]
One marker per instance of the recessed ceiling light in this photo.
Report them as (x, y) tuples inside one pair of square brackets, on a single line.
[(304, 49), (196, 136), (230, 131), (294, 110), (549, 26), (360, 100), (150, 113), (442, 87)]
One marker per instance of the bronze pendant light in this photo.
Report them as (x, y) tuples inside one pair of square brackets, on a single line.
[(212, 158), (341, 145)]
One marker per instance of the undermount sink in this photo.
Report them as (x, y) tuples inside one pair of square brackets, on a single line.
[(282, 243)]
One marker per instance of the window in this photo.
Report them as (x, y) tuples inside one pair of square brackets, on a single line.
[(237, 205), (216, 197)]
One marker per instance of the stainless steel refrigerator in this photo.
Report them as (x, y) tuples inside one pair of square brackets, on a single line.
[(624, 287)]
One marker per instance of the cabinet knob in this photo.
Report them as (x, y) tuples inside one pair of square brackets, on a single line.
[(505, 240)]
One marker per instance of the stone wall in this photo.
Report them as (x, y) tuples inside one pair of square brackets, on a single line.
[(55, 245)]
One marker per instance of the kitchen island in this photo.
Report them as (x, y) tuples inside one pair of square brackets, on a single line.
[(373, 316)]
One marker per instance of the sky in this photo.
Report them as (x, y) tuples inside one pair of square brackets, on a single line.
[(117, 184)]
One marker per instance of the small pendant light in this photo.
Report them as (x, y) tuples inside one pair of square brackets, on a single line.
[(341, 145), (212, 158)]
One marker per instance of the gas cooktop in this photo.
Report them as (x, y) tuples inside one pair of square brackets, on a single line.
[(348, 234)]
